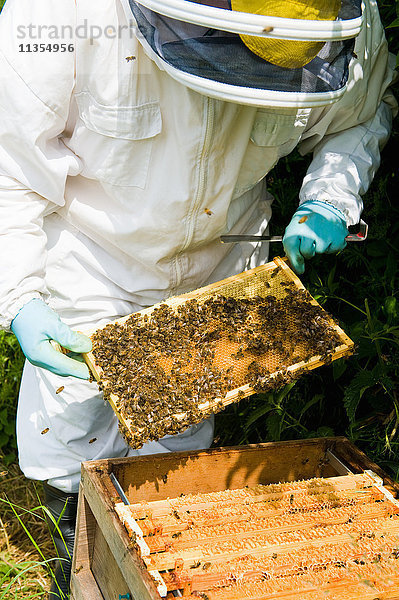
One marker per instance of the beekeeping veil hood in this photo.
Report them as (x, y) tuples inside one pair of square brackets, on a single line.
[(285, 53)]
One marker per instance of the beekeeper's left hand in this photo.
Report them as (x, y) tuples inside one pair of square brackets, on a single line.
[(315, 228)]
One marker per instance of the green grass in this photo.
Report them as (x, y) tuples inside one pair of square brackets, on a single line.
[(16, 579), (28, 553)]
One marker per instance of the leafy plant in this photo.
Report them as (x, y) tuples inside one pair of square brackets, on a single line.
[(390, 14), (11, 363)]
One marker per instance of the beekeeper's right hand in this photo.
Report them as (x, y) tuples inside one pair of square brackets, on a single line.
[(316, 228), (35, 325)]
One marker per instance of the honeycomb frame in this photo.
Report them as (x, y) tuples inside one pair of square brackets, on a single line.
[(245, 285), (334, 537)]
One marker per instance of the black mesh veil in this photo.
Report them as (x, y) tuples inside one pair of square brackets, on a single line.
[(222, 56)]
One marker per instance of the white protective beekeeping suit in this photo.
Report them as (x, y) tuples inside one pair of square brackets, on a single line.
[(116, 182)]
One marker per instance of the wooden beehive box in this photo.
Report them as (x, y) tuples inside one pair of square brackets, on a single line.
[(108, 565)]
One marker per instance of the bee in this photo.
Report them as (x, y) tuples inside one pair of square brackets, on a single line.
[(59, 390), (275, 272), (130, 58), (268, 30), (206, 566), (92, 440), (165, 478), (195, 565), (175, 514), (45, 430), (208, 212), (176, 535), (377, 558), (303, 219), (78, 569)]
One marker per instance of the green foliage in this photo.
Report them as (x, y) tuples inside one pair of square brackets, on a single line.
[(362, 381), (390, 16), (11, 363)]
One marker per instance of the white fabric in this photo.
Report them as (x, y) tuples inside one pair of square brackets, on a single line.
[(106, 169), (212, 15)]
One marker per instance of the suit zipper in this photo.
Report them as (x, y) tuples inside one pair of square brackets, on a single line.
[(202, 184)]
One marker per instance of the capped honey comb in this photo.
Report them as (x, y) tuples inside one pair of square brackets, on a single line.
[(171, 365), (321, 538)]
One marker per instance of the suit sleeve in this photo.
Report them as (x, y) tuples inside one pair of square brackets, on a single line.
[(346, 138), (35, 91)]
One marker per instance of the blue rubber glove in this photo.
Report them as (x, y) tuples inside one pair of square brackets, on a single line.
[(35, 325), (315, 228)]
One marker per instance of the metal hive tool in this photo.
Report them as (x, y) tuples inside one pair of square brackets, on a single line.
[(286, 360)]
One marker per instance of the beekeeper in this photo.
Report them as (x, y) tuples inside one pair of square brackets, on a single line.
[(134, 134)]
